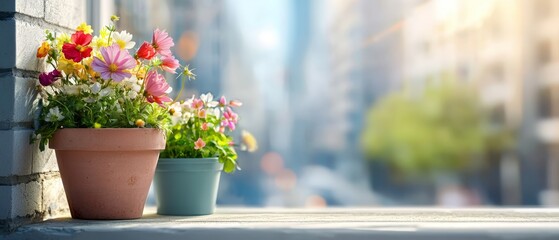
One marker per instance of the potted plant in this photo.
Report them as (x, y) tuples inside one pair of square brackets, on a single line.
[(198, 148), (102, 109)]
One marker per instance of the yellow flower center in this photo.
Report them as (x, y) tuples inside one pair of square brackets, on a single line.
[(121, 43), (80, 48), (113, 67)]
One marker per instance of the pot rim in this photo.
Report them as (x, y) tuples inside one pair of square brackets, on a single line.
[(103, 139), (189, 165), (189, 159)]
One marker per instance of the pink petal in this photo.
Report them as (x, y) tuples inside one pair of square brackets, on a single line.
[(98, 65), (119, 76), (106, 75)]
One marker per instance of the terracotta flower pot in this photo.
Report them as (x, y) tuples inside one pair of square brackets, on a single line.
[(107, 172)]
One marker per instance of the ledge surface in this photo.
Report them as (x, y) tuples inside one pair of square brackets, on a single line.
[(331, 223)]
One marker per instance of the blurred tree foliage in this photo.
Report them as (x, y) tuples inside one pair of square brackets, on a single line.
[(443, 128)]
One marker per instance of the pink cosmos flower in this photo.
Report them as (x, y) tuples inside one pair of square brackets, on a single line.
[(114, 64), (197, 103), (162, 42), (156, 88), (199, 144), (169, 64)]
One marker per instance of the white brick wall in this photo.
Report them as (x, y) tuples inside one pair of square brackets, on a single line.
[(34, 8), (17, 99), (20, 200), (26, 50), (14, 145), (30, 186), (54, 198), (65, 13)]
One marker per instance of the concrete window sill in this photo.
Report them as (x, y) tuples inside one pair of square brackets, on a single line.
[(331, 223)]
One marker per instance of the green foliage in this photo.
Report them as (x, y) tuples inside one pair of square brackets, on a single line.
[(88, 109), (205, 123), (443, 129)]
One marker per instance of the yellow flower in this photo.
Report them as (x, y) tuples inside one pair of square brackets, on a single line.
[(43, 50), (140, 72), (115, 18), (249, 141), (99, 42), (61, 39), (104, 33), (69, 66), (88, 69), (85, 28)]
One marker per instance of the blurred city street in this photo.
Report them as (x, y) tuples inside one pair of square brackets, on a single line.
[(375, 102)]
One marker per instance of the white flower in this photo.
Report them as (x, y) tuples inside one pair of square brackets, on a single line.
[(176, 112), (71, 89), (187, 104), (132, 83), (187, 116), (175, 109), (208, 100), (89, 100), (118, 108), (54, 115), (132, 94), (105, 92), (217, 113), (95, 88), (124, 40), (206, 97)]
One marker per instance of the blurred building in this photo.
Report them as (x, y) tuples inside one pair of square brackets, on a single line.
[(506, 50), (543, 62), (341, 77)]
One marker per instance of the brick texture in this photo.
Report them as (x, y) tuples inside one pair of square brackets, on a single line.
[(17, 96), (29, 36), (20, 200), (65, 13), (30, 185), (34, 8)]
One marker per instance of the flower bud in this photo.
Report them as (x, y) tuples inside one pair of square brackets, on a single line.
[(140, 123)]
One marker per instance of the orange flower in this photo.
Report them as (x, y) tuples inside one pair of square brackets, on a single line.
[(199, 144), (43, 50)]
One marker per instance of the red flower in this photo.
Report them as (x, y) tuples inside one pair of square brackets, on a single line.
[(146, 51), (77, 49)]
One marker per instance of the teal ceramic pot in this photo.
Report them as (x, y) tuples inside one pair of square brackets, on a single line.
[(186, 186)]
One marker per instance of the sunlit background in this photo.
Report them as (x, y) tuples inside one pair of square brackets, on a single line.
[(375, 102)]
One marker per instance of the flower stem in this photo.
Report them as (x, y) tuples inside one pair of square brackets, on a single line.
[(183, 80)]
